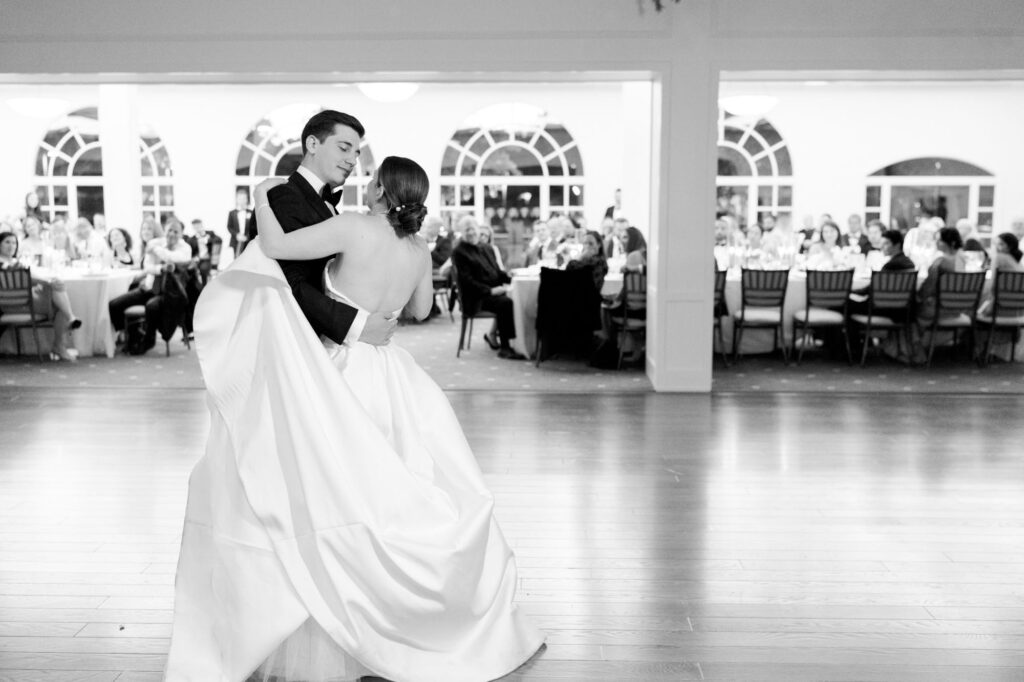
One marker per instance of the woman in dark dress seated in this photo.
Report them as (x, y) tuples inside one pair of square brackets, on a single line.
[(484, 286), (591, 256)]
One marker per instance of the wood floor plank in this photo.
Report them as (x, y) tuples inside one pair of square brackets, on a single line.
[(657, 537)]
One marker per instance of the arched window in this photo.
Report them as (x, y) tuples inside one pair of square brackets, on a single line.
[(755, 173), (510, 165), (930, 186), (69, 167), (269, 151), (157, 178)]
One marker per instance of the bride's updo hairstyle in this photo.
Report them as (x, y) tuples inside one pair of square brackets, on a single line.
[(405, 188)]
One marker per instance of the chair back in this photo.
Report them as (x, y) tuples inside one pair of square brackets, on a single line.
[(634, 290), (1008, 294), (893, 289), (568, 305), (829, 288), (959, 292), (720, 276), (15, 290), (764, 288)]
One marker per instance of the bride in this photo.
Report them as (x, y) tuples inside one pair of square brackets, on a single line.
[(338, 525)]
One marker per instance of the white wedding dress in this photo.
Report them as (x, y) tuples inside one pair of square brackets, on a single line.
[(338, 524)]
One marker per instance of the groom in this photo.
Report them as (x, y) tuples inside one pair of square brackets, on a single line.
[(330, 145)]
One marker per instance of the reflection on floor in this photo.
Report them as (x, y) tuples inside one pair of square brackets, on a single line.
[(659, 537)]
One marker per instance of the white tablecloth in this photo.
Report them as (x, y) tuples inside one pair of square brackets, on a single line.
[(89, 292), (525, 288)]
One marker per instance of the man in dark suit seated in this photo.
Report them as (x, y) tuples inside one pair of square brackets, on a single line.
[(440, 251), (484, 286), (892, 246)]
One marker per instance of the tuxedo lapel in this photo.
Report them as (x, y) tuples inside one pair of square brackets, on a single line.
[(312, 198)]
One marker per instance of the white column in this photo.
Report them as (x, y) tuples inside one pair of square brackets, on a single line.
[(680, 282), (636, 154), (119, 137)]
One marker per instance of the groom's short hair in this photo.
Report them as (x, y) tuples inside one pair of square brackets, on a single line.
[(322, 126)]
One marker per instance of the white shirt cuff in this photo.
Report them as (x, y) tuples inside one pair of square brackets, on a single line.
[(356, 330)]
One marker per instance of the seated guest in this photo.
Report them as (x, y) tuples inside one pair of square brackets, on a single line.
[(161, 256), (1007, 253), (87, 243), (484, 286), (33, 245), (635, 247), (151, 234), (60, 240), (542, 246), (206, 248), (120, 243), (821, 255), (487, 240), (970, 235), (855, 234), (440, 244), (875, 230), (892, 248), (591, 256), (47, 294), (951, 259), (754, 237)]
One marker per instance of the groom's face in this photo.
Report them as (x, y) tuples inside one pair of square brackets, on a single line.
[(335, 158)]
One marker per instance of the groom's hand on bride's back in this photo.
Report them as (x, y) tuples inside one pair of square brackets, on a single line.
[(378, 329)]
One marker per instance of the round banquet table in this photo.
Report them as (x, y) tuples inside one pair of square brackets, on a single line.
[(524, 290), (89, 292)]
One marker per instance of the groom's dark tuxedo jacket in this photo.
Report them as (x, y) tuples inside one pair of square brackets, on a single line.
[(296, 205)]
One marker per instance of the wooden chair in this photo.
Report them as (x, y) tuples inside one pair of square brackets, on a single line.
[(827, 291), (630, 316), (892, 294), (721, 310), (16, 308), (467, 320), (1006, 313), (956, 306), (763, 296)]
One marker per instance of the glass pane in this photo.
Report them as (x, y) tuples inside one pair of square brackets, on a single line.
[(986, 196), (525, 136), (88, 138), (543, 146), (288, 163), (575, 195), (366, 165), (768, 132), (785, 195), (60, 195), (54, 137), (273, 147), (90, 201), (499, 135), (753, 146), (556, 195), (468, 166), (448, 161), (461, 136), (147, 166), (764, 196), (89, 163), (512, 160), (466, 195), (911, 203), (560, 134), (262, 166), (244, 159), (447, 195), (764, 167), (148, 195), (163, 162), (873, 196), (60, 167), (41, 162), (575, 161), (350, 197), (732, 163), (555, 166), (868, 217), (480, 146), (931, 165), (783, 162), (166, 196), (71, 146), (985, 222), (732, 135), (255, 136), (88, 112), (733, 201), (44, 195)]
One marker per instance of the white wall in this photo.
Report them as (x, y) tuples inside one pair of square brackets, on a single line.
[(203, 126), (840, 133)]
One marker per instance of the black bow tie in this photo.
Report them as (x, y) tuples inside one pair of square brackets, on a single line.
[(330, 196)]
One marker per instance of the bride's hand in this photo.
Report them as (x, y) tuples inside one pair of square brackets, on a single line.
[(267, 185)]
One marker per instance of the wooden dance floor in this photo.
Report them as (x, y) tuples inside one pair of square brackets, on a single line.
[(731, 537)]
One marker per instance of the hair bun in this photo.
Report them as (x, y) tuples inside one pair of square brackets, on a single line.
[(406, 219)]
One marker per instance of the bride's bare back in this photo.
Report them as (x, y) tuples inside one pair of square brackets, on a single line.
[(378, 270)]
